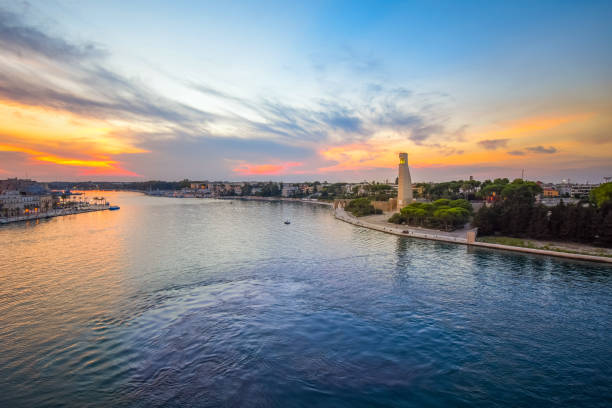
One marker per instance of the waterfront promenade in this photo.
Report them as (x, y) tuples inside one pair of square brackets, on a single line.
[(53, 213), (457, 237), (377, 223)]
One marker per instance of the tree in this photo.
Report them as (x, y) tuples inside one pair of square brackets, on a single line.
[(360, 207), (184, 183), (601, 194), (539, 222), (439, 214), (484, 220), (605, 229)]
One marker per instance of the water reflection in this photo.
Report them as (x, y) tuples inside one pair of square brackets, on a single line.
[(174, 302)]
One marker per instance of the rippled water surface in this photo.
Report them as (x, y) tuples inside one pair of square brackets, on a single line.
[(186, 302)]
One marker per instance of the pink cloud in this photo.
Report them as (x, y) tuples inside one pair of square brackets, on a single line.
[(254, 169)]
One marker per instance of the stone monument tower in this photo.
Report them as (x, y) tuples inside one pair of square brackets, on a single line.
[(404, 183)]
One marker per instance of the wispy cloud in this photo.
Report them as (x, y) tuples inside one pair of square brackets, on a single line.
[(542, 149), (246, 169), (493, 144)]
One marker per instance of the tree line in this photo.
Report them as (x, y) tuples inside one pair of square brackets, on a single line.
[(517, 214)]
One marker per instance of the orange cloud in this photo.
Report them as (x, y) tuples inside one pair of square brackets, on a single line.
[(49, 128), (76, 141), (382, 153), (357, 156), (254, 169), (531, 125), (101, 165)]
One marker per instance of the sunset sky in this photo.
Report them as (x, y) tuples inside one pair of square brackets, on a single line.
[(139, 90)]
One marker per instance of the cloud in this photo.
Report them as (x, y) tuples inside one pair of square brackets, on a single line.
[(343, 121), (256, 169), (99, 165), (542, 149), (16, 37), (41, 71), (516, 153), (459, 134), (493, 144)]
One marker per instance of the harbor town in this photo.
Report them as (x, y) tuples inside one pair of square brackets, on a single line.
[(453, 211), (24, 200), (295, 204)]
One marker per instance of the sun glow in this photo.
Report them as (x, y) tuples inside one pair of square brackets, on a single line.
[(63, 138)]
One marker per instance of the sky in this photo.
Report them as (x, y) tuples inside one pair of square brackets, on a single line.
[(305, 91)]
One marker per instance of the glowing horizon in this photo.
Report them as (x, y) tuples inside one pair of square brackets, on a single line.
[(82, 98)]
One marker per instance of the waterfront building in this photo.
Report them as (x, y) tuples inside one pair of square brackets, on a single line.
[(549, 192), (582, 190), (564, 189), (22, 185), (199, 186), (15, 203), (404, 183), (289, 190)]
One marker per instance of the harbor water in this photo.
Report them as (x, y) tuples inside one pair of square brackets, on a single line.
[(200, 302)]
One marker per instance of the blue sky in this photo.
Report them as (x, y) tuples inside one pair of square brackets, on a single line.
[(313, 90)]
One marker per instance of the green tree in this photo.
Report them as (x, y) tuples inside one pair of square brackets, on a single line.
[(601, 194), (360, 207)]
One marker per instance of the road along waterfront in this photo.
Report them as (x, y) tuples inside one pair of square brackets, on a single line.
[(443, 236)]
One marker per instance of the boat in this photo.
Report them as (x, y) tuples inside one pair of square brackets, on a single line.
[(114, 207), (287, 222)]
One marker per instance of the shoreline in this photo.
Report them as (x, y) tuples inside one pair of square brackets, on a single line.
[(53, 214), (287, 199), (342, 215)]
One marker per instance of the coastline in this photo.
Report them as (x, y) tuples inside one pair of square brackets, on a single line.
[(50, 214), (287, 199), (433, 235), (340, 214)]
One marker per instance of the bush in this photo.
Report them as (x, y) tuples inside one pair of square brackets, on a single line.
[(396, 219), (360, 207), (443, 213)]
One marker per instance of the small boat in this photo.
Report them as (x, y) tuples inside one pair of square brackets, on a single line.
[(287, 222), (113, 207)]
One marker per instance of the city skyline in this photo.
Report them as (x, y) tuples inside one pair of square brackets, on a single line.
[(324, 91)]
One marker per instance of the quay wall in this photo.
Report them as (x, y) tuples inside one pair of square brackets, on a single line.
[(342, 215), (51, 214)]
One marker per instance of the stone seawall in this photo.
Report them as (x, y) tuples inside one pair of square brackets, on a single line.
[(441, 236), (431, 234)]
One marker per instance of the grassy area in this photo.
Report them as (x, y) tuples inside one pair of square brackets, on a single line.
[(525, 243)]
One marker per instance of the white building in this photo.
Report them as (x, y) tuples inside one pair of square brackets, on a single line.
[(582, 190), (13, 203)]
